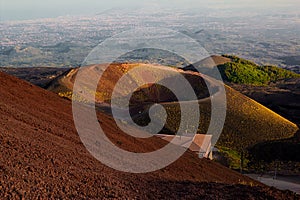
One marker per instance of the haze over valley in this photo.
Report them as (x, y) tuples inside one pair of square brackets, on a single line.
[(265, 36)]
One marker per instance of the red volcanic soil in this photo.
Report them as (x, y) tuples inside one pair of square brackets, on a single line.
[(42, 157)]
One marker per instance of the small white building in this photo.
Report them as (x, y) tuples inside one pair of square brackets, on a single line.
[(201, 143)]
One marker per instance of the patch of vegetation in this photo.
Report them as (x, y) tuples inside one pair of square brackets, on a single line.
[(234, 158), (276, 73), (66, 95), (70, 96), (242, 71)]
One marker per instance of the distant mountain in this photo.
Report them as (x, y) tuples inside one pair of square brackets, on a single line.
[(18, 50)]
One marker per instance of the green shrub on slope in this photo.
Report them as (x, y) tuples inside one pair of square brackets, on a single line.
[(242, 71)]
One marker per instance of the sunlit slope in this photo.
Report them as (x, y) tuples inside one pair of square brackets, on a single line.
[(107, 77), (247, 122)]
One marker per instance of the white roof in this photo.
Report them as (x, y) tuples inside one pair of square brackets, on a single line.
[(201, 143)]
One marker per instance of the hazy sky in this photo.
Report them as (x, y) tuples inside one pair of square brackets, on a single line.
[(32, 9)]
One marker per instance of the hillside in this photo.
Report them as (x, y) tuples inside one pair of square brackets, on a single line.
[(241, 71), (273, 87), (247, 122), (42, 157), (64, 84), (283, 97)]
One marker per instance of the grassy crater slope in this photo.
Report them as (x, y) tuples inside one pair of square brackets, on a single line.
[(242, 71), (247, 122)]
